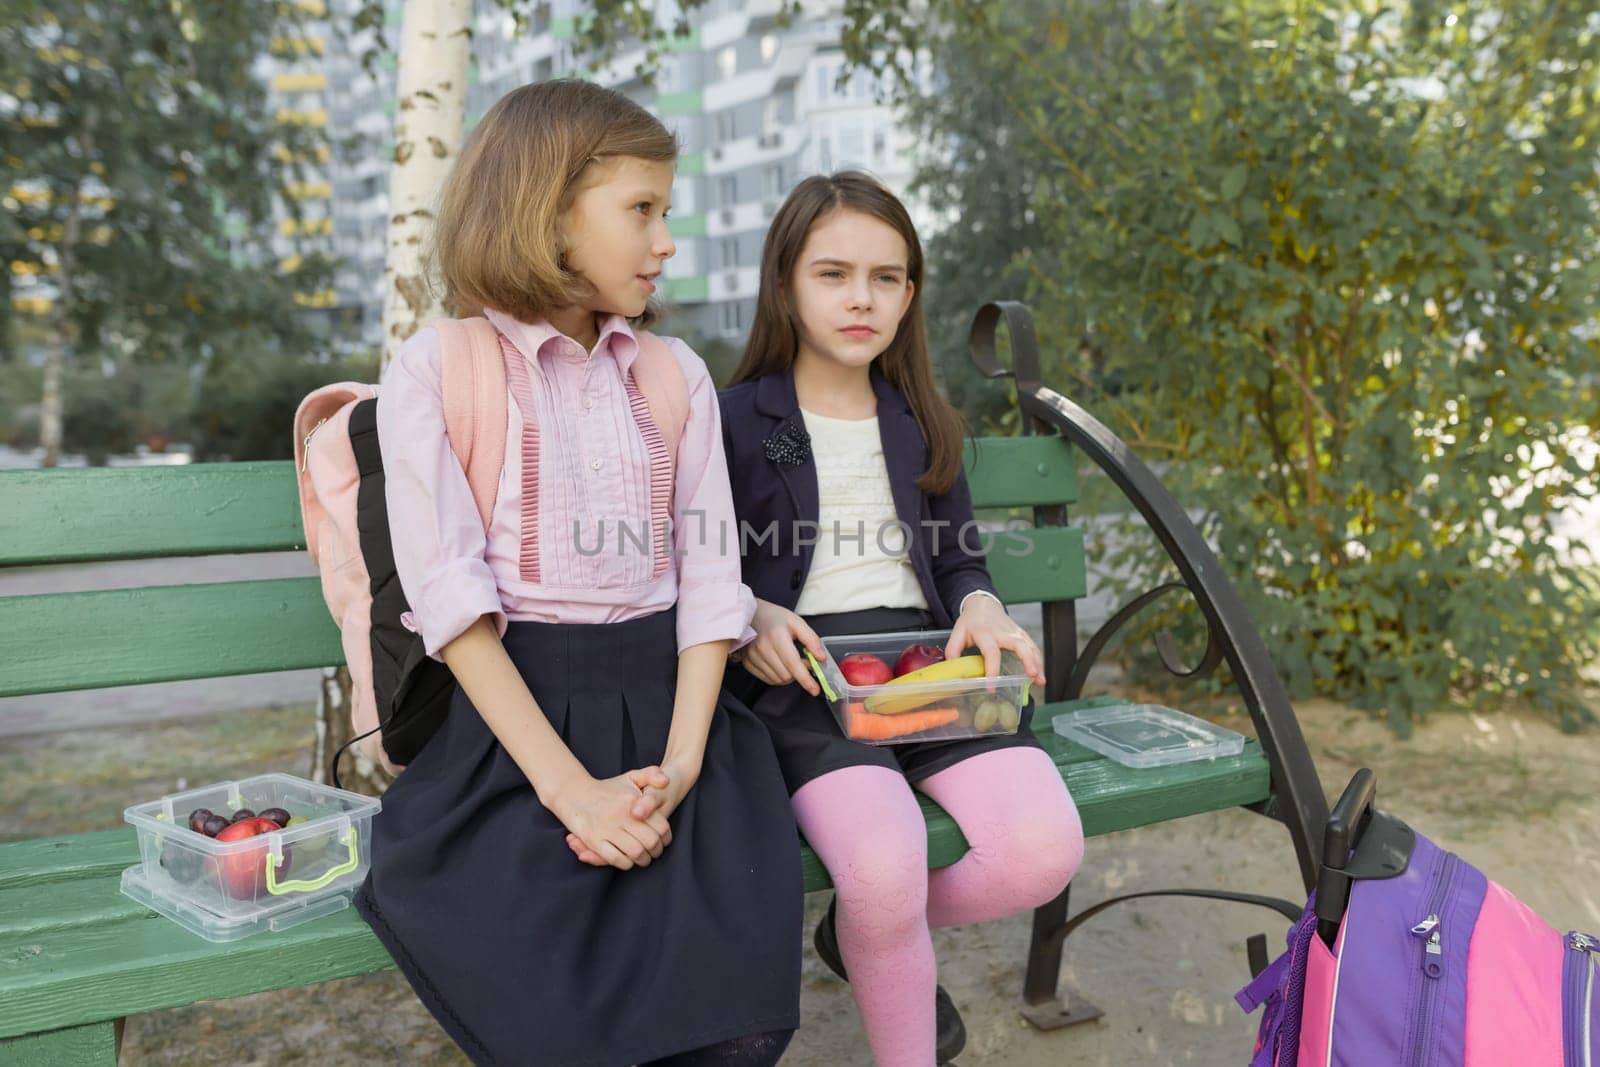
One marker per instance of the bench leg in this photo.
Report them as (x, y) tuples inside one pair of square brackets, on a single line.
[(1042, 1003), (91, 1045)]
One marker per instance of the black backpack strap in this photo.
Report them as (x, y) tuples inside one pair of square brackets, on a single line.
[(412, 691)]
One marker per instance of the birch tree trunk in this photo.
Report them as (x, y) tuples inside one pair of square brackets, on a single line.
[(430, 118)]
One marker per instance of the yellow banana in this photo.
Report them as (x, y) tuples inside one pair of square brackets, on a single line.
[(889, 702)]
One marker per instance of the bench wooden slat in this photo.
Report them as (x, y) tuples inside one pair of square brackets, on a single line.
[(93, 1045), (122, 968), (76, 515), (66, 641), (33, 910), (1010, 472), (58, 972), (1030, 566), (54, 859)]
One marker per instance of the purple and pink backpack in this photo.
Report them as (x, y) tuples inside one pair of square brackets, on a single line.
[(1407, 956), (400, 695)]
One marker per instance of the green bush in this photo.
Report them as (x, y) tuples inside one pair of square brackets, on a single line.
[(245, 406), (1343, 264)]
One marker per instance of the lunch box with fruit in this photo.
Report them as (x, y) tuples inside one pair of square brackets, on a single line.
[(890, 689), (263, 853)]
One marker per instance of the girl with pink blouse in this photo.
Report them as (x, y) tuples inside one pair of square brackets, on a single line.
[(587, 628)]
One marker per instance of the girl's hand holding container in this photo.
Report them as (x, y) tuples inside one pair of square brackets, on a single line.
[(772, 657), (984, 625)]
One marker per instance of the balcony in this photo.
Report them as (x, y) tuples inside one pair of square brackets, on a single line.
[(690, 290), (681, 226), (740, 218), (736, 284), (751, 151)]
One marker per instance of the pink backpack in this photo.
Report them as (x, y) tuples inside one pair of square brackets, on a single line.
[(400, 695), (1408, 955)]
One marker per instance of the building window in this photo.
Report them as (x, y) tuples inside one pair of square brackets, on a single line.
[(730, 252), (880, 144), (771, 182), (826, 72), (852, 145), (732, 316), (728, 190), (728, 62), (769, 48), (726, 128)]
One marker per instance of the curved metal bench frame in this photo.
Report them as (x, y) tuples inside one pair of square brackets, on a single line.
[(1296, 798)]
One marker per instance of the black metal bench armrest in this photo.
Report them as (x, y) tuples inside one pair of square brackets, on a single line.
[(1298, 798)]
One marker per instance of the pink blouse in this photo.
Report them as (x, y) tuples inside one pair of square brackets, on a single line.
[(595, 541)]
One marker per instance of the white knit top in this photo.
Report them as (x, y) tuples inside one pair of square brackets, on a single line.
[(860, 560)]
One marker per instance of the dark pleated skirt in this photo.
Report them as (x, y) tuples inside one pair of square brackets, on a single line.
[(525, 955), (807, 737)]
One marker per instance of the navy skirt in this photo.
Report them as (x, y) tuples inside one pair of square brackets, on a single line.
[(807, 737), (525, 955)]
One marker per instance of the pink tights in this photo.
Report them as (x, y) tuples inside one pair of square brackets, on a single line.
[(864, 822)]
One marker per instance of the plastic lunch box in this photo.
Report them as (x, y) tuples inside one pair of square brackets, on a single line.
[(225, 890), (930, 711)]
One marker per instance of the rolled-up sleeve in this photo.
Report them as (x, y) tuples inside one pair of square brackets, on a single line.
[(713, 603), (438, 535)]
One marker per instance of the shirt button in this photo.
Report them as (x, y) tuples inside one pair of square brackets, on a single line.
[(594, 464), (587, 404)]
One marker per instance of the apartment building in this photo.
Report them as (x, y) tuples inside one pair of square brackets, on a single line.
[(757, 106)]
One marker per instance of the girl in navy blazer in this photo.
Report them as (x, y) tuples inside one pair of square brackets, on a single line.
[(847, 482)]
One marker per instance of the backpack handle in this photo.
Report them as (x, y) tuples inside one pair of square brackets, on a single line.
[(1344, 825)]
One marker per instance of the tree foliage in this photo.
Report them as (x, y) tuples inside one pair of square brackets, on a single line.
[(1332, 267), (1335, 269), (138, 170)]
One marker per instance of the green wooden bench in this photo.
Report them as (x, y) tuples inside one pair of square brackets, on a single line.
[(76, 956)]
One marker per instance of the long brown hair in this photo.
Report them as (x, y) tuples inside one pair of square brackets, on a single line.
[(497, 241), (775, 338)]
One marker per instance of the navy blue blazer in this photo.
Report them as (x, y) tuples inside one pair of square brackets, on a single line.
[(775, 495)]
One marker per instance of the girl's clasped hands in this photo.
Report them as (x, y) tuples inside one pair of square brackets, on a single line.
[(622, 822)]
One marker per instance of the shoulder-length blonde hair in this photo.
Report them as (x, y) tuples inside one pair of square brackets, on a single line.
[(775, 339), (497, 241)]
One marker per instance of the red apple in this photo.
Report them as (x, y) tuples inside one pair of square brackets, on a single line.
[(862, 668), (917, 657), (245, 871)]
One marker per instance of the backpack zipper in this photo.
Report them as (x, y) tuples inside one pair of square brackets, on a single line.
[(1577, 986), (305, 452), (1431, 930)]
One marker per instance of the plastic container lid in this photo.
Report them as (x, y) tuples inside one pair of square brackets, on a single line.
[(1147, 735)]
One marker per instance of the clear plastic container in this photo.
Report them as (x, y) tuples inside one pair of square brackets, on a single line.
[(225, 890), (1147, 735), (936, 710)]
